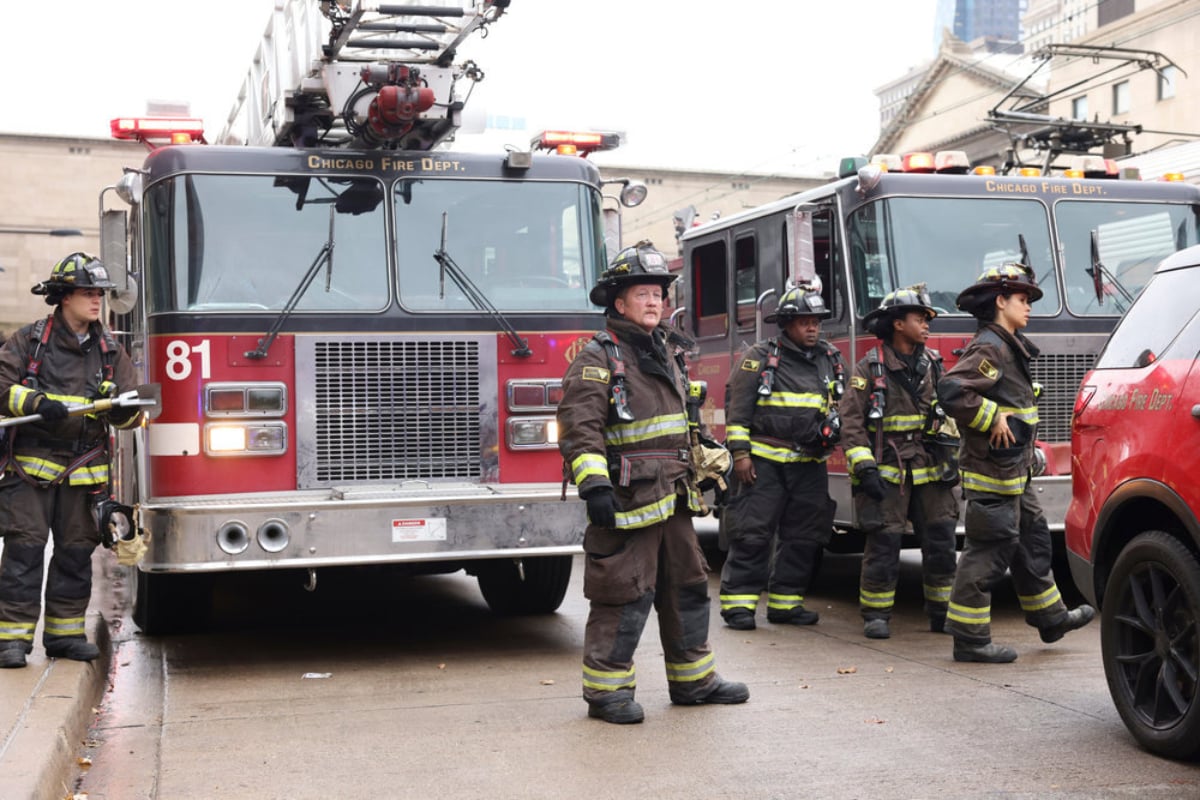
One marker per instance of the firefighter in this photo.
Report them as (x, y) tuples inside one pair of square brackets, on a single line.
[(899, 457), (781, 425), (623, 433), (56, 469), (991, 394)]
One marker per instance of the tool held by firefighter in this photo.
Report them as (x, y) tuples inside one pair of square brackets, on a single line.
[(147, 396), (710, 459)]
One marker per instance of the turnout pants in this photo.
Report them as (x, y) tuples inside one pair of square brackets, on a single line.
[(625, 574), (1003, 532), (788, 506), (28, 514), (933, 511)]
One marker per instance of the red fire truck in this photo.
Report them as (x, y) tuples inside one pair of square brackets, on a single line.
[(359, 338), (1093, 242)]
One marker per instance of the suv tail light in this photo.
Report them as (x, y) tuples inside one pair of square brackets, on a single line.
[(1086, 393)]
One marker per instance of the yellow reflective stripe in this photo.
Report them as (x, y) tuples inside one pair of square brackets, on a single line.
[(782, 454), (69, 399), (926, 475), (608, 681), (85, 476), (891, 474), (986, 483), (57, 626), (793, 400), (749, 601), (17, 398), (877, 599), (16, 631), (647, 515), (588, 465), (858, 455), (938, 594), (1028, 414), (903, 422), (984, 416), (784, 601), (1038, 602), (968, 615), (45, 470), (738, 434), (641, 430), (691, 671)]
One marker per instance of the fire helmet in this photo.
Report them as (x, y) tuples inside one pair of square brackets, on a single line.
[(799, 301), (76, 271), (1005, 279), (641, 263), (895, 305)]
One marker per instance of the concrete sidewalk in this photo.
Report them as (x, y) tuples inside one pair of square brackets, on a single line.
[(45, 709)]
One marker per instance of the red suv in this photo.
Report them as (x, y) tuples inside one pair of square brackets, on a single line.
[(1132, 532)]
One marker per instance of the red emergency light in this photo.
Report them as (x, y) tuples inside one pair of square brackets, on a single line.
[(576, 142), (176, 130)]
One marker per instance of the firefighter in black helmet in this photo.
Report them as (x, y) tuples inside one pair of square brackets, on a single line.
[(57, 469), (623, 432), (781, 424), (991, 394), (900, 454)]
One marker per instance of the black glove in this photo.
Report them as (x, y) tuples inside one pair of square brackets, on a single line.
[(602, 507), (51, 410), (871, 483)]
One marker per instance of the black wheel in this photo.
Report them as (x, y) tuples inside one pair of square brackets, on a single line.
[(525, 586), (1151, 645), (171, 603)]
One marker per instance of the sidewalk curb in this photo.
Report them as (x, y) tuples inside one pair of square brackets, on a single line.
[(38, 755)]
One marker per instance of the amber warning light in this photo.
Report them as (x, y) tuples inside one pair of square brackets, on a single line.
[(575, 142), (155, 131)]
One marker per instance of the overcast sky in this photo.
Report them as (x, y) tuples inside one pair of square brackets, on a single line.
[(767, 86)]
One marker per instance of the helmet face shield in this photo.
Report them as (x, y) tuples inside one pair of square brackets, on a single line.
[(76, 271)]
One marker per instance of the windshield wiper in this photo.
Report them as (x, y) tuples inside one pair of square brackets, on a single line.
[(1099, 272), (324, 256), (475, 295)]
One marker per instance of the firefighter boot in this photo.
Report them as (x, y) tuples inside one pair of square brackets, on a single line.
[(740, 620), (937, 622), (76, 648), (723, 692), (620, 709), (12, 656), (877, 629), (983, 653), (793, 616), (1075, 619)]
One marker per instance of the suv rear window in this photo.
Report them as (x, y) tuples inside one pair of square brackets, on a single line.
[(1166, 306)]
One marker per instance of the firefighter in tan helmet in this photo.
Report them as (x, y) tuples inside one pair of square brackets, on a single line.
[(623, 433), (56, 468), (991, 394)]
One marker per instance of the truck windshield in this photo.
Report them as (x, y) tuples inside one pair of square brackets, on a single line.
[(1132, 238), (527, 246), (242, 242), (946, 243)]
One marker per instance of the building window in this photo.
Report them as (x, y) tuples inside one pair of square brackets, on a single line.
[(1166, 83), (1120, 94), (1079, 109)]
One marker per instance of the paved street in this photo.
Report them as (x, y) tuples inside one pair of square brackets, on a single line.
[(381, 686)]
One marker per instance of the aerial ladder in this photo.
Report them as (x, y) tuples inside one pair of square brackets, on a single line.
[(361, 74)]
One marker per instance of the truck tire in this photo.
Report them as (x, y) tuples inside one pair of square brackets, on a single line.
[(541, 591), (171, 603), (1150, 643)]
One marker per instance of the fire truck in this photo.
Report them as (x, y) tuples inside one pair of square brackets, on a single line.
[(1092, 238), (359, 335)]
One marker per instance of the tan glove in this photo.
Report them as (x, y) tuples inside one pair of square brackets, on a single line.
[(131, 551)]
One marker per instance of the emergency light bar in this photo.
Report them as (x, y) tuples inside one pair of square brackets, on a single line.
[(573, 142), (177, 130)]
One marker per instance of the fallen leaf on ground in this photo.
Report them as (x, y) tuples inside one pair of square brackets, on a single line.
[(847, 670), (84, 762), (547, 681), (874, 721)]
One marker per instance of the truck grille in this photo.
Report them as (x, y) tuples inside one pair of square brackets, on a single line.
[(1060, 375), (389, 409)]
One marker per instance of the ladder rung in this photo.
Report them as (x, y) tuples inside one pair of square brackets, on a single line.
[(421, 11), (387, 27), (381, 43)]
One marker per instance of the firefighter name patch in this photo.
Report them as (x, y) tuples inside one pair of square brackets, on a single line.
[(858, 382), (987, 370), (750, 365), (598, 374)]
